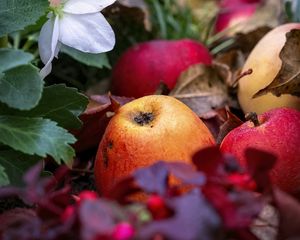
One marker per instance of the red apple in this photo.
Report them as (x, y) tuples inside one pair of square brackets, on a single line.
[(143, 67), (276, 131), (234, 15)]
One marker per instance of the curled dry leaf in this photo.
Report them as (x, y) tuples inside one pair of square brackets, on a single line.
[(135, 11), (268, 14), (232, 121), (246, 41), (287, 81), (265, 227), (229, 65), (140, 4), (201, 88)]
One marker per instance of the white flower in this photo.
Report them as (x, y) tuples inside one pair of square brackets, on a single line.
[(77, 24)]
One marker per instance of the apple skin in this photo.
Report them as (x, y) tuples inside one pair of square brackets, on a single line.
[(278, 133), (173, 132), (142, 68), (265, 62), (233, 15)]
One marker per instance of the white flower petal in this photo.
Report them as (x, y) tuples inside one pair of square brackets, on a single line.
[(48, 44), (87, 33), (86, 6)]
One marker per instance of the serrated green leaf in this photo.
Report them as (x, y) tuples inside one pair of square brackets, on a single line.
[(11, 58), (13, 165), (17, 14), (58, 103), (21, 87), (62, 105), (90, 59), (37, 136)]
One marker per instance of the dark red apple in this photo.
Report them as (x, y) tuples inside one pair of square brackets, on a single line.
[(142, 68), (276, 131)]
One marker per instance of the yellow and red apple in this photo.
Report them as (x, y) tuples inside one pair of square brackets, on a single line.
[(144, 131)]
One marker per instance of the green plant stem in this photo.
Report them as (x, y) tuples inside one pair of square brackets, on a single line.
[(161, 19), (4, 41), (28, 44), (16, 40), (222, 46)]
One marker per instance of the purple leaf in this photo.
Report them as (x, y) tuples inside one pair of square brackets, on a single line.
[(193, 218), (97, 218), (186, 173), (153, 179)]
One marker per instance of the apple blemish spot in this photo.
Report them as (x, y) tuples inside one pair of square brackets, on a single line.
[(144, 118)]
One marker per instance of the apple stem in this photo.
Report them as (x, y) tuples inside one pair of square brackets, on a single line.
[(243, 74), (252, 116)]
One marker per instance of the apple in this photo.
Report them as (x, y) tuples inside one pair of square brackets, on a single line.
[(144, 131), (142, 68), (265, 62), (276, 131), (233, 16)]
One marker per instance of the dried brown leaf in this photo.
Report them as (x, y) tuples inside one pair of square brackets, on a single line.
[(246, 41), (231, 123), (137, 10), (268, 14), (287, 81), (228, 65), (202, 89)]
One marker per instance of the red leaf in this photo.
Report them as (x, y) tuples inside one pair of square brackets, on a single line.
[(259, 164), (95, 120), (289, 212)]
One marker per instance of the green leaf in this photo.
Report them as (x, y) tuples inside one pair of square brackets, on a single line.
[(17, 14), (95, 60), (21, 87), (37, 136), (11, 58), (58, 103), (13, 165)]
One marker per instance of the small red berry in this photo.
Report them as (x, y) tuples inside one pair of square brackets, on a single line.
[(242, 180), (123, 231)]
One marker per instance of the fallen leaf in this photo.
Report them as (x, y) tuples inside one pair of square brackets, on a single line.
[(214, 120), (289, 212), (268, 14), (194, 218), (140, 4), (287, 81), (95, 119), (228, 65), (231, 123), (201, 89), (246, 41), (15, 217), (265, 227)]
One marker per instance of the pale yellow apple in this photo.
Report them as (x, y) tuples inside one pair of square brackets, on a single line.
[(265, 62)]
